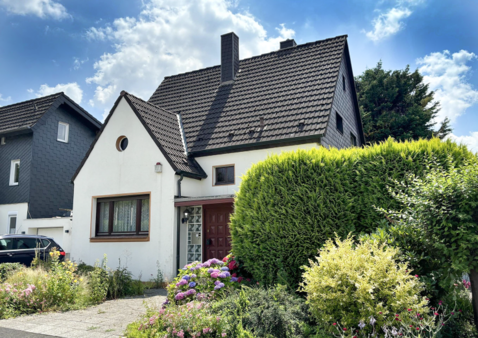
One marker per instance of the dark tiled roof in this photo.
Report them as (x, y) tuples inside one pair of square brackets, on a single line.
[(25, 114), (291, 89), (165, 128)]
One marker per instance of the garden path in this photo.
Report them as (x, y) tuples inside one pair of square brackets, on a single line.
[(106, 320)]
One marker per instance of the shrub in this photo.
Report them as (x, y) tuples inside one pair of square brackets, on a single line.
[(350, 285), (264, 312), (6, 269), (290, 204), (193, 319), (30, 290), (200, 281)]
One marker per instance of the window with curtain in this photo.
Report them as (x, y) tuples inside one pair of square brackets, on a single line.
[(119, 216)]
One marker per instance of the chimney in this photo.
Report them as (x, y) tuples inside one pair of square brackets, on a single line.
[(287, 44), (229, 56)]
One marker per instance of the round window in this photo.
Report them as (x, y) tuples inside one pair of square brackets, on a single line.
[(122, 143)]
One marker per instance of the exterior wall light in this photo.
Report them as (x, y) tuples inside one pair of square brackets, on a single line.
[(185, 218), (158, 167)]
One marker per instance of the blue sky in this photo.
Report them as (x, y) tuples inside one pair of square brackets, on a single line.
[(94, 49)]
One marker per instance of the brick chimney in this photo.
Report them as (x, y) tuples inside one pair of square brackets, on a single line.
[(229, 56)]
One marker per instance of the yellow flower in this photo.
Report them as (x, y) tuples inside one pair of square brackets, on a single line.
[(81, 279), (75, 281)]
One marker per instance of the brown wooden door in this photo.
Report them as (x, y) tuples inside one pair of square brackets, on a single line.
[(217, 239)]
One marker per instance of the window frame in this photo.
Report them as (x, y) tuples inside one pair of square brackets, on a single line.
[(67, 132), (13, 171), (214, 175), (137, 233), (338, 118), (9, 217), (353, 139)]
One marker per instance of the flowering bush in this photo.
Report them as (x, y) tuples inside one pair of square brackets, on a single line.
[(36, 290), (236, 268), (407, 325), (190, 320), (200, 281), (350, 284)]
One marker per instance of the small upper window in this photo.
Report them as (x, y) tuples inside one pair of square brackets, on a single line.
[(343, 82), (63, 131), (15, 172), (12, 223), (2, 141), (353, 140), (122, 143), (340, 122), (224, 175)]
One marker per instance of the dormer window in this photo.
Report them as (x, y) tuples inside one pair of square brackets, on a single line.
[(63, 131)]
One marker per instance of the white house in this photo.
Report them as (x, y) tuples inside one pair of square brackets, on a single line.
[(157, 184)]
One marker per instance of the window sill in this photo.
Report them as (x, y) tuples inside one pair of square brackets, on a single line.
[(119, 239)]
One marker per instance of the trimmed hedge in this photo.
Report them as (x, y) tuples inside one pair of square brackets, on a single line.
[(288, 205)]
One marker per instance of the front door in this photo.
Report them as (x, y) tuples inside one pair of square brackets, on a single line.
[(217, 238)]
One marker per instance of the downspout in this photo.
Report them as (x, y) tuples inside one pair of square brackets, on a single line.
[(178, 229)]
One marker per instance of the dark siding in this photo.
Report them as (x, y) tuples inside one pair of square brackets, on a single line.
[(16, 147), (54, 162), (344, 105)]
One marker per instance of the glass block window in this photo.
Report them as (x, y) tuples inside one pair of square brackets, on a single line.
[(194, 224)]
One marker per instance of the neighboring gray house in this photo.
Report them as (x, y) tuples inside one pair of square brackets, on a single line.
[(42, 142)]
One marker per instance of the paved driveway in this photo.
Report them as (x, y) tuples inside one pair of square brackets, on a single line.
[(102, 321)]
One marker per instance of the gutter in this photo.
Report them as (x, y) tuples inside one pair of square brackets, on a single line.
[(178, 226), (14, 130)]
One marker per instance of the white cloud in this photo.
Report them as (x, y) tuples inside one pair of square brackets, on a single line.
[(171, 37), (446, 74), (73, 90), (392, 21), (469, 140), (40, 8), (77, 63), (7, 99)]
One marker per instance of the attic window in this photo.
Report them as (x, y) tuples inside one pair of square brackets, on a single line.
[(2, 141), (340, 122), (343, 82), (63, 132), (224, 175), (121, 143)]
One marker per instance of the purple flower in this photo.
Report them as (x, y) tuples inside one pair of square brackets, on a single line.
[(190, 292), (179, 296), (224, 274), (193, 276), (225, 268), (186, 277), (234, 279), (214, 275), (192, 284), (217, 282), (182, 282), (219, 286), (210, 270)]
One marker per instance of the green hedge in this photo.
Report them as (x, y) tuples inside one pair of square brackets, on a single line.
[(290, 204)]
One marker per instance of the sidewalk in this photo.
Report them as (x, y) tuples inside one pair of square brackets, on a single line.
[(102, 321)]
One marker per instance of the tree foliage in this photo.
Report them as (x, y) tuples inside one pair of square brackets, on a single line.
[(397, 104), (290, 204)]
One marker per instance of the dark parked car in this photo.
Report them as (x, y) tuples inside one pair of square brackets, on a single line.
[(23, 248)]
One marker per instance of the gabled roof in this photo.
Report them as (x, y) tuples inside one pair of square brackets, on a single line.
[(291, 90), (26, 114), (164, 128)]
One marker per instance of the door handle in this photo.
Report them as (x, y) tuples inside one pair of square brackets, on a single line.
[(10, 254)]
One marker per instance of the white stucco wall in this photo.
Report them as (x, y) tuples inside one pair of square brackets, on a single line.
[(242, 162), (21, 209), (108, 172)]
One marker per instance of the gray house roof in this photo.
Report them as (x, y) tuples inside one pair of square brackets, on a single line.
[(290, 90), (26, 114)]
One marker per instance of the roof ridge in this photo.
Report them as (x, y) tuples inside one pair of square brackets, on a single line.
[(80, 107), (260, 55), (124, 92), (27, 101)]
